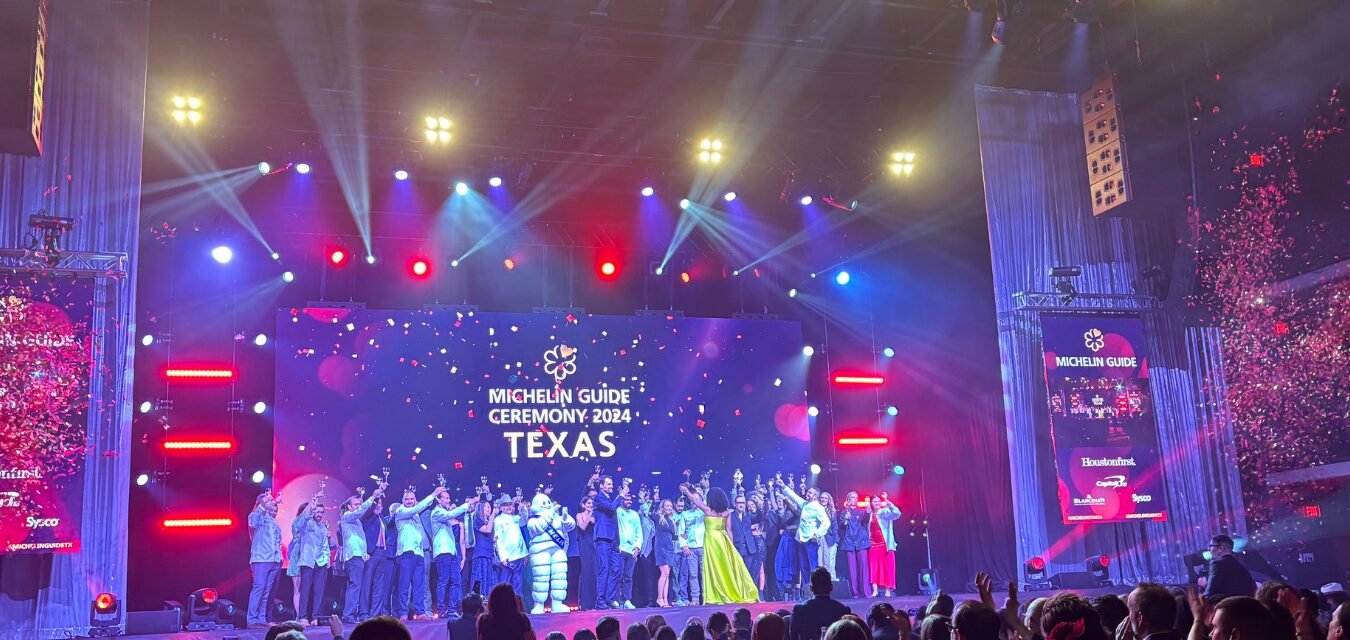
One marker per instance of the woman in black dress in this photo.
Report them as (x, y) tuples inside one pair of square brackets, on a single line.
[(666, 549), (586, 537)]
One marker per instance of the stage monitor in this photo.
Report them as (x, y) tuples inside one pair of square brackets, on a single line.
[(532, 399)]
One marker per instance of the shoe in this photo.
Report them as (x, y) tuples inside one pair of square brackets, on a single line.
[(628, 604), (681, 603), (536, 609)]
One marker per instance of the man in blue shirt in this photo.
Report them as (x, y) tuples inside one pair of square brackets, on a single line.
[(412, 542), (630, 545), (690, 531), (264, 556), (353, 550), (608, 560)]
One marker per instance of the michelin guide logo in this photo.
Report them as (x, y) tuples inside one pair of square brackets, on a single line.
[(1094, 340)]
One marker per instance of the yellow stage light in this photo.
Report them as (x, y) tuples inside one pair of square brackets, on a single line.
[(186, 110), (438, 129), (902, 163), (710, 151)]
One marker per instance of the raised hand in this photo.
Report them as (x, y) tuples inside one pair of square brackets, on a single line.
[(985, 586)]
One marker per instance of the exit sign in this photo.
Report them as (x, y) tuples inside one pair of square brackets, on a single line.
[(1311, 510)]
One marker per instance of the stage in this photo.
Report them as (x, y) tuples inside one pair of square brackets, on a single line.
[(569, 623)]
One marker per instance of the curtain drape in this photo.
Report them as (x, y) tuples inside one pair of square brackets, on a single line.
[(91, 171), (1036, 199)]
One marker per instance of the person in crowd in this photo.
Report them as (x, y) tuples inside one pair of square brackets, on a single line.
[(1182, 626), (291, 635), (283, 627), (846, 630), (583, 634), (1340, 621), (504, 620), (881, 623), (354, 550), (693, 631), (881, 553), (811, 530), (719, 626), (854, 522), (941, 604), (665, 633), (377, 580), (445, 552), (654, 623), (555, 635), (264, 557), (691, 534), (769, 626), (936, 626), (608, 629), (1152, 614), (829, 544), (1032, 619), (508, 544), (725, 578), (608, 558), (637, 631), (379, 628), (976, 620), (482, 568), (548, 527), (1235, 618), (738, 526), (667, 551), (409, 557), (309, 533), (1111, 610), (587, 576), (1227, 577), (630, 546), (1067, 616), (809, 617), (466, 626), (741, 623)]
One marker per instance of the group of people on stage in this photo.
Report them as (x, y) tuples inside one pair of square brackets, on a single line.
[(621, 549)]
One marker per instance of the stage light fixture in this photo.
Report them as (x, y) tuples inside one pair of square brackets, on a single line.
[(659, 270), (808, 351), (928, 582), (892, 410), (259, 407), (1000, 31), (258, 477), (494, 182), (198, 445), (146, 406), (684, 203), (1035, 570), (147, 340), (902, 163), (806, 200), (420, 268), (337, 256), (647, 192), (198, 374), (196, 523), (509, 264), (843, 278), (400, 175), (264, 168), (608, 269), (888, 352), (813, 411), (685, 277), (142, 479), (302, 168), (710, 151), (437, 129), (454, 263), (898, 470), (858, 379), (276, 256), (1099, 567), (370, 258), (222, 254), (815, 469), (201, 609), (105, 615), (860, 441), (792, 293), (730, 196), (187, 110), (287, 276), (260, 340), (462, 188)]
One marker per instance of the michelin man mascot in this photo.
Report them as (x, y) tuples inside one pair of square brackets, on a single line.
[(548, 527)]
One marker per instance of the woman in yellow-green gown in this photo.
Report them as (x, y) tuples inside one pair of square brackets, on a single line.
[(725, 578)]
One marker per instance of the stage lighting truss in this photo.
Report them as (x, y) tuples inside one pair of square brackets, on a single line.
[(902, 163), (710, 151), (187, 110), (438, 130)]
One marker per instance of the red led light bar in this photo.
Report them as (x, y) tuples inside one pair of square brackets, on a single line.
[(862, 440), (199, 373), (177, 523), (859, 379), (198, 445)]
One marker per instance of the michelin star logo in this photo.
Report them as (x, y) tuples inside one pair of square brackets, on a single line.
[(560, 362), (1094, 340)]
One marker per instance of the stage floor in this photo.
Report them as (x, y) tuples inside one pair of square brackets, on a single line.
[(570, 622)]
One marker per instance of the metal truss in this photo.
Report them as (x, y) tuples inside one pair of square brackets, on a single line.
[(1084, 302), (68, 263)]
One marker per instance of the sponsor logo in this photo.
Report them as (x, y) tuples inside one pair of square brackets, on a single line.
[(42, 523), (560, 362), (1112, 481), (1089, 501), (1107, 462), (20, 474), (1094, 340), (9, 499), (1142, 498)]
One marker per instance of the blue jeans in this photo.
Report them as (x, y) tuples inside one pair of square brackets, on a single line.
[(626, 577), (312, 583), (449, 587), (374, 600), (808, 559), (264, 577), (410, 567), (512, 573), (356, 570), (691, 577), (608, 568)]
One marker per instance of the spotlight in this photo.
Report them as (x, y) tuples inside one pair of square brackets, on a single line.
[(888, 352), (999, 32), (843, 277), (454, 263), (806, 200), (258, 477), (685, 277), (509, 264), (730, 196), (437, 130), (370, 258), (420, 268), (201, 609), (494, 182), (401, 175), (808, 351), (142, 480), (260, 340), (147, 340), (898, 470), (815, 469), (928, 582), (287, 276), (659, 270), (302, 168), (710, 151), (684, 203), (902, 163), (259, 407), (462, 188), (1099, 568), (813, 411), (276, 256), (608, 269), (792, 293), (892, 411), (187, 110), (105, 614), (337, 256), (1035, 570), (647, 192), (222, 254), (264, 168), (146, 406)]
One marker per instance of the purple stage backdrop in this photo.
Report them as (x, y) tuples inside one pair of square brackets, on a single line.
[(1101, 419), (526, 399), (44, 401)]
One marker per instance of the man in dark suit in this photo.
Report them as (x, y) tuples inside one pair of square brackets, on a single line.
[(1153, 613), (466, 626), (608, 559), (1227, 577), (809, 617), (741, 537), (378, 579)]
